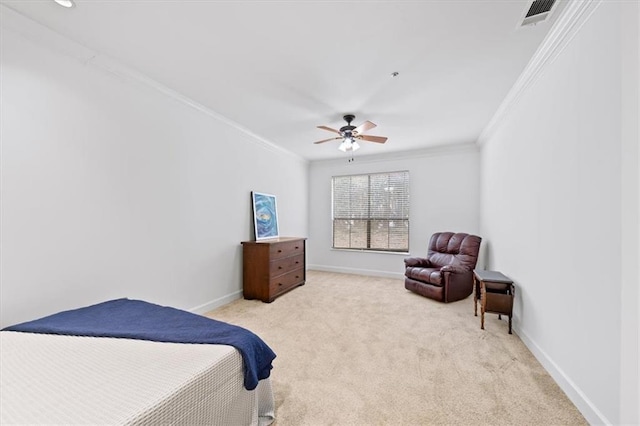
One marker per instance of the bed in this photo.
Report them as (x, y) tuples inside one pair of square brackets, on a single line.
[(62, 378)]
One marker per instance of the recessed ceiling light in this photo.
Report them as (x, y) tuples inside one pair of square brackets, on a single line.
[(65, 3)]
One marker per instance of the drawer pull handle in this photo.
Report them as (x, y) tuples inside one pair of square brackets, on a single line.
[(279, 284), (297, 247), (279, 267), (297, 262), (297, 276), (279, 251)]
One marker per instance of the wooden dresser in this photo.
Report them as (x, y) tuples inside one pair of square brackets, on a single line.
[(272, 267)]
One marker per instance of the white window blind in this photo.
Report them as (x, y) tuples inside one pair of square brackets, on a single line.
[(371, 212)]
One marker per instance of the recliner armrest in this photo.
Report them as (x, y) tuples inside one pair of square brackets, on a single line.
[(453, 268), (417, 261)]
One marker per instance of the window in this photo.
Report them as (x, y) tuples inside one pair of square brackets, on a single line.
[(371, 212)]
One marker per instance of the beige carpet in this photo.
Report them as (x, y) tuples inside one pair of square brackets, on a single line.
[(356, 350)]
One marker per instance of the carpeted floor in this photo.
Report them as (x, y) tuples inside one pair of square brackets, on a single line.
[(356, 350)]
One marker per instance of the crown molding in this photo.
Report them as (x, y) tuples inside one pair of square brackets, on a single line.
[(44, 36), (571, 20)]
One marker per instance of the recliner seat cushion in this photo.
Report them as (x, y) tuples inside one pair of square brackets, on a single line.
[(427, 275)]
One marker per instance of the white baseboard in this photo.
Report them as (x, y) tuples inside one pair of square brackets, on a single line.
[(213, 304), (356, 271), (579, 399)]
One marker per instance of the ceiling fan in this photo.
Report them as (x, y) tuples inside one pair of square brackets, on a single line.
[(350, 134)]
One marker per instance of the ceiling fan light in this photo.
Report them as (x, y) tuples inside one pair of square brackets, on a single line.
[(346, 145), (355, 146)]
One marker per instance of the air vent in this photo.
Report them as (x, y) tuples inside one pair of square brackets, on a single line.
[(539, 11)]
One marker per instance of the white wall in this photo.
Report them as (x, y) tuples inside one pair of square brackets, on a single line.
[(444, 196), (113, 189), (630, 187), (552, 199)]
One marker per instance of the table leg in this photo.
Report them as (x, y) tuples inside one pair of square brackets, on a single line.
[(483, 302), (509, 324), (475, 296)]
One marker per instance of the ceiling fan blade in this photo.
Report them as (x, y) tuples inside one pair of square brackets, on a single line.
[(377, 139), (327, 140), (329, 129), (367, 125)]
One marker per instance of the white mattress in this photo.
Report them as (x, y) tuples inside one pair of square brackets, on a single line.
[(50, 379)]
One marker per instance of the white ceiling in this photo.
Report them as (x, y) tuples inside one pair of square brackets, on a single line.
[(281, 68)]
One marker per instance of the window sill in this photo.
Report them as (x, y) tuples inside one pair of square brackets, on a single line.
[(402, 253)]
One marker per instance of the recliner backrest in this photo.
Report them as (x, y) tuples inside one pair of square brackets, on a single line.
[(448, 248)]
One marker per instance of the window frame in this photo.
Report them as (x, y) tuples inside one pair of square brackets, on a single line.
[(369, 220)]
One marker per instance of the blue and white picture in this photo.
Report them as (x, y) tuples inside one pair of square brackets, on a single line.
[(265, 216)]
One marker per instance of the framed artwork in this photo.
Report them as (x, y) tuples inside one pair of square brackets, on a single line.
[(265, 215)]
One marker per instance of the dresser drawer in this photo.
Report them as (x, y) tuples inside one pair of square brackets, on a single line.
[(280, 250), (286, 264), (286, 281)]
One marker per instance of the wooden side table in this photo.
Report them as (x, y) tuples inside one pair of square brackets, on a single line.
[(495, 292)]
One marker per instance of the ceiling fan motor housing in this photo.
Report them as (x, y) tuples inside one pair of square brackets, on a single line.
[(348, 128)]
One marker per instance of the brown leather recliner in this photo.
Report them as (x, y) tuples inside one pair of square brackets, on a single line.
[(446, 274)]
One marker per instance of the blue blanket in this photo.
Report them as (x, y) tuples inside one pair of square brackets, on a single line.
[(135, 319)]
